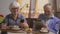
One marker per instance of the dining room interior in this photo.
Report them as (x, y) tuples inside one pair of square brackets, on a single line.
[(30, 9)]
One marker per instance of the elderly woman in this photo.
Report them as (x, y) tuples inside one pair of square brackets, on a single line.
[(14, 18)]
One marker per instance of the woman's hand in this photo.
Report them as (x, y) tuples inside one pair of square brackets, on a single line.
[(24, 25), (9, 27), (3, 26)]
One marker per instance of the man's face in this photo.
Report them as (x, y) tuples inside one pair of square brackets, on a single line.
[(14, 11), (47, 10)]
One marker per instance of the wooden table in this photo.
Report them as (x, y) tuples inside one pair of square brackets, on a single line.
[(17, 32), (24, 32)]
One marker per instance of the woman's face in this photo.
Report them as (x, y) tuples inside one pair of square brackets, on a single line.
[(14, 11)]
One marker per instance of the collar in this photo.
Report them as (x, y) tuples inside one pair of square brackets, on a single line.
[(51, 16), (18, 16)]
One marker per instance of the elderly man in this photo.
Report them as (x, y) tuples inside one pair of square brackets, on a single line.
[(49, 18), (14, 18)]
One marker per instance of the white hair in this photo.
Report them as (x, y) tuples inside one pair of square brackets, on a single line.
[(14, 4)]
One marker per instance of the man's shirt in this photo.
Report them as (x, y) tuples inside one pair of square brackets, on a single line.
[(52, 23)]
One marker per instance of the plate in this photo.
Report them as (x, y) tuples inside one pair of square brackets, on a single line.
[(17, 29)]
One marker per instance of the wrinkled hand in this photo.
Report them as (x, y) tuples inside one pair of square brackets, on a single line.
[(28, 30), (10, 27), (3, 26), (25, 25)]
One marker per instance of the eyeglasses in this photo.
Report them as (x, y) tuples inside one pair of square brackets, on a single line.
[(14, 8)]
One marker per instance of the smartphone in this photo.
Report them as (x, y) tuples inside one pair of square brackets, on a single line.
[(22, 21)]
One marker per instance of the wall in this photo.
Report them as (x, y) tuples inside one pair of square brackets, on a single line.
[(56, 7), (4, 6)]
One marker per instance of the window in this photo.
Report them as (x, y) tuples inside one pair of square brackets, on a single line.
[(39, 7), (32, 8), (24, 5)]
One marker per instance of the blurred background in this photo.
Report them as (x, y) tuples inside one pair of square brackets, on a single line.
[(30, 9)]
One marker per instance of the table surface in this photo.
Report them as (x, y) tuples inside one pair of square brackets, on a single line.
[(23, 32), (34, 32)]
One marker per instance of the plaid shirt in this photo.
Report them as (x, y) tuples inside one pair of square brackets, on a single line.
[(10, 21), (52, 23)]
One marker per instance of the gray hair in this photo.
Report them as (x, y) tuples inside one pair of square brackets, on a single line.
[(47, 5), (14, 4)]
